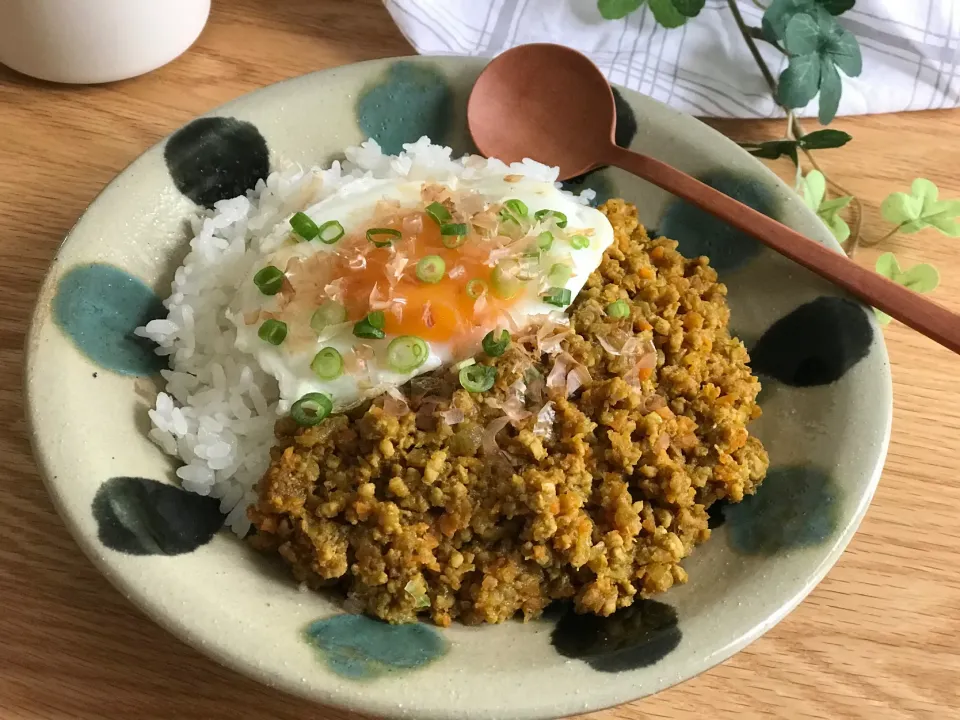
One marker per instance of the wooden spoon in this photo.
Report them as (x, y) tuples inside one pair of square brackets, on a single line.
[(552, 104)]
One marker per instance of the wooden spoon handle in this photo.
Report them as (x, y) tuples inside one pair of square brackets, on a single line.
[(908, 307)]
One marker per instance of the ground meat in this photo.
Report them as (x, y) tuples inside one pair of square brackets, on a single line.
[(596, 497)]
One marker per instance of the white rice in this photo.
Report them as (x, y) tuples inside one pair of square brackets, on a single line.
[(218, 408)]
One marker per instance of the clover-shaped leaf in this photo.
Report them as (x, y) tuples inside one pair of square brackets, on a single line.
[(818, 47), (669, 13), (922, 278), (780, 12), (674, 13), (616, 9), (921, 209), (813, 187)]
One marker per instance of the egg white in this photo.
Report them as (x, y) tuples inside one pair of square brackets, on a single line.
[(352, 207)]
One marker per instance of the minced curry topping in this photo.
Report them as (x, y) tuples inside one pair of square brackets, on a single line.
[(584, 473)]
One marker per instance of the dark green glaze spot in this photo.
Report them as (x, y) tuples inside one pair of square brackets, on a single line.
[(816, 344), (139, 516), (216, 158), (414, 100), (626, 120), (715, 517), (634, 637), (796, 506), (700, 233), (361, 648), (99, 306)]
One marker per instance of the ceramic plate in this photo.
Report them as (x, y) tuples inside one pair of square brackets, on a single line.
[(826, 418)]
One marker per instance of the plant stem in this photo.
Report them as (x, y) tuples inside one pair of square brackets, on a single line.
[(794, 128), (885, 237), (752, 46), (850, 247)]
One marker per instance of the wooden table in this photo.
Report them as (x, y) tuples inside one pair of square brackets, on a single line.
[(879, 638)]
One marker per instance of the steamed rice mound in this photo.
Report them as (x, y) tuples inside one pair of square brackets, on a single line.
[(596, 497)]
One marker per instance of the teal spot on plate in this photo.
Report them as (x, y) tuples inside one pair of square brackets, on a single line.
[(360, 648), (98, 306), (700, 233), (795, 507), (413, 101)]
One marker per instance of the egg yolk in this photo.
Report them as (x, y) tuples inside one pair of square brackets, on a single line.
[(370, 277)]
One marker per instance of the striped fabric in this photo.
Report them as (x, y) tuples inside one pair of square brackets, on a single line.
[(911, 50)]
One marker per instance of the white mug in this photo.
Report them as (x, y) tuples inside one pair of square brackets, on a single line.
[(94, 41)]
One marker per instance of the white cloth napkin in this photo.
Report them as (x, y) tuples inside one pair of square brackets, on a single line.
[(911, 50)]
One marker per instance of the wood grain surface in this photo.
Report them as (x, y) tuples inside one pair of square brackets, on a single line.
[(878, 639)]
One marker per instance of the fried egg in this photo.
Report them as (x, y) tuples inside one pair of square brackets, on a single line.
[(438, 265)]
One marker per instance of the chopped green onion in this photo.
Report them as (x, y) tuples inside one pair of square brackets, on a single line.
[(495, 346), (273, 331), (329, 313), (311, 409), (430, 269), (269, 280), (303, 226), (477, 378), (453, 235), (327, 364), (517, 208), (406, 353), (504, 280), (476, 288), (558, 217), (453, 229), (383, 237), (453, 241), (465, 363), (579, 242), (377, 318), (545, 240), (559, 274), (439, 212), (557, 296), (618, 309), (371, 326), (330, 232)]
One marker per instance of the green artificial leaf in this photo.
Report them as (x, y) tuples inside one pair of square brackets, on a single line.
[(800, 82), (690, 8), (831, 88), (778, 16), (888, 266), (802, 36), (818, 140), (674, 13), (923, 278), (843, 49), (616, 9), (813, 188), (666, 13), (774, 150), (825, 139), (818, 47), (779, 13), (836, 7), (921, 209)]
